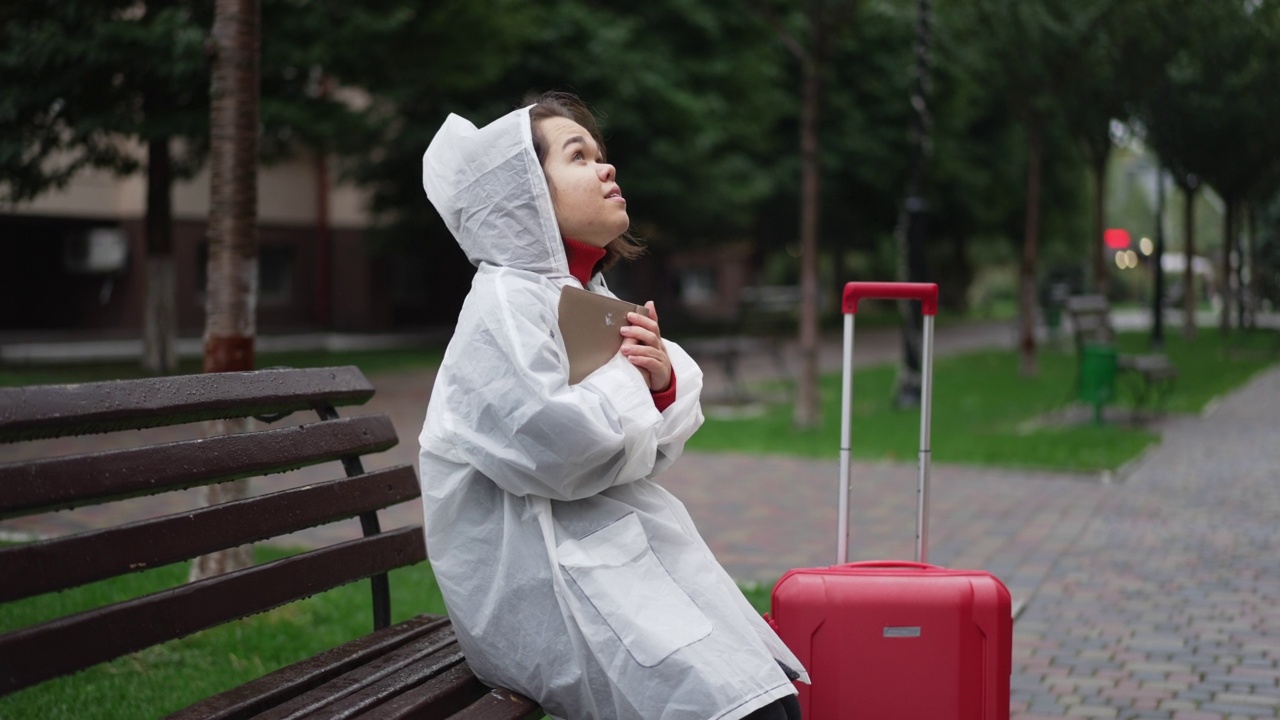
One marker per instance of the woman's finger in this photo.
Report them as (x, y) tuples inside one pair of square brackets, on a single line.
[(640, 321), (641, 335), (647, 351)]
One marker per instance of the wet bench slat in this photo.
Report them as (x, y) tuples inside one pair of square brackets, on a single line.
[(1154, 373), (45, 411), (261, 694), (45, 651), (78, 480), (62, 563)]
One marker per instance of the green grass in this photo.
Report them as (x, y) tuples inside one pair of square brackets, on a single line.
[(1210, 365), (162, 679), (157, 681), (985, 413), (759, 595), (369, 361)]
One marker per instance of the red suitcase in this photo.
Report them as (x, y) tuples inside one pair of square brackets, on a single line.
[(893, 640)]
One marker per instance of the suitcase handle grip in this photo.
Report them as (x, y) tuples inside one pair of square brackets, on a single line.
[(926, 293), (890, 564)]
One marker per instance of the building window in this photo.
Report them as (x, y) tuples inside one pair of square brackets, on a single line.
[(699, 286), (275, 274)]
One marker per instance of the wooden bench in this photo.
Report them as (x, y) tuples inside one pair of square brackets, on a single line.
[(761, 325), (410, 669), (1152, 374)]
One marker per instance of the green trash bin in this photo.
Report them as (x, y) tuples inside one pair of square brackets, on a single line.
[(1098, 376)]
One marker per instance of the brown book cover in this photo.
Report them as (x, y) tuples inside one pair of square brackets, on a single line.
[(589, 324)]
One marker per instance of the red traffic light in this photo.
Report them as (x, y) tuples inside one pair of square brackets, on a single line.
[(1116, 238)]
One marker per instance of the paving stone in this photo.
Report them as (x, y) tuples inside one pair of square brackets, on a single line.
[(1251, 711), (1092, 711), (1247, 699)]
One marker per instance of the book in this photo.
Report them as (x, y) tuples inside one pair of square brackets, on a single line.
[(590, 324)]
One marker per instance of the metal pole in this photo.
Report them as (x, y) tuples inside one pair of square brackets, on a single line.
[(912, 231), (846, 418), (926, 412)]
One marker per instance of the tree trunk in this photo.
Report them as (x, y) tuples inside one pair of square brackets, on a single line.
[(807, 409), (1188, 272), (1099, 171), (1243, 247), (1228, 241), (232, 290), (323, 236), (160, 323), (1254, 276), (1031, 241)]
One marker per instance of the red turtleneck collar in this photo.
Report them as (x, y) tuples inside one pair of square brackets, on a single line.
[(582, 259)]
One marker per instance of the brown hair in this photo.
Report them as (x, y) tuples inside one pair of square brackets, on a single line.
[(567, 105)]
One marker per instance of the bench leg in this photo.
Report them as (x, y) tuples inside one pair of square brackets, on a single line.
[(1149, 391), (730, 363)]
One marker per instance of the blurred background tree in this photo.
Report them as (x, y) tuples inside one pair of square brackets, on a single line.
[(702, 109), (114, 85), (1213, 118)]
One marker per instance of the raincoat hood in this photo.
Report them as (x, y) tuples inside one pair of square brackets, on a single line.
[(490, 189)]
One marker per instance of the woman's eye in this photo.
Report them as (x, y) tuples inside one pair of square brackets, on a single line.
[(579, 156)]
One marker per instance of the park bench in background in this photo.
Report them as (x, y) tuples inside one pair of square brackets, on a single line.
[(1151, 375), (410, 669), (764, 320)]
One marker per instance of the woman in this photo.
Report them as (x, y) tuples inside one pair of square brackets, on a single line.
[(570, 575)]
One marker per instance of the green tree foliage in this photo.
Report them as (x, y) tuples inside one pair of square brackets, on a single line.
[(689, 98), (1213, 114), (76, 74), (700, 103), (1026, 48), (88, 84), (1121, 47), (865, 128)]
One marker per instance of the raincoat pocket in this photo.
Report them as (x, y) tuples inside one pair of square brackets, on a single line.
[(627, 584)]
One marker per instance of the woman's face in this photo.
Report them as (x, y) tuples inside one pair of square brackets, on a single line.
[(588, 203)]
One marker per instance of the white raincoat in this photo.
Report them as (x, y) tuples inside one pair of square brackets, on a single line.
[(571, 576)]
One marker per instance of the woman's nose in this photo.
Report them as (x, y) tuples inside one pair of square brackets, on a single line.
[(607, 172)]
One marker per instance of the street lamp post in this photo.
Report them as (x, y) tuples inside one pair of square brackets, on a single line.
[(912, 220), (1157, 308)]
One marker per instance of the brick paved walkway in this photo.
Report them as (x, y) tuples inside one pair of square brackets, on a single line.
[(1168, 603), (1156, 597)]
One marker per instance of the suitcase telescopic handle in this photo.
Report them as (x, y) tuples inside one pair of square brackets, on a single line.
[(927, 294)]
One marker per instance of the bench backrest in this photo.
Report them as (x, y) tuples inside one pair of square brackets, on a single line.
[(64, 645), (769, 310), (1090, 320)]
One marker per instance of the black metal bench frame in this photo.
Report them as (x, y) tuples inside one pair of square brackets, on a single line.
[(1151, 376), (410, 669)]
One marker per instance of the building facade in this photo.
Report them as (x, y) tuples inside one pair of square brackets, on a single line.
[(74, 260)]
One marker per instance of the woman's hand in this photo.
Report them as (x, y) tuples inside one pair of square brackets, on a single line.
[(642, 345)]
